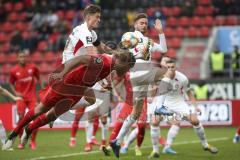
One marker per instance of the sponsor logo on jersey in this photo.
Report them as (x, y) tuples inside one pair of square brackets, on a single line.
[(30, 71), (89, 39), (98, 60)]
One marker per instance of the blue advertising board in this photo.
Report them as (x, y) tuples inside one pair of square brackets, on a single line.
[(227, 37)]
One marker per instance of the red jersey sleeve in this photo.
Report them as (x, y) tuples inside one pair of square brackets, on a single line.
[(12, 78)]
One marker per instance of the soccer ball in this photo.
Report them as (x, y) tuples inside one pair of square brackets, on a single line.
[(129, 40)]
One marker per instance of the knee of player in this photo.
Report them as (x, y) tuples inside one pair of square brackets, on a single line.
[(195, 122), (91, 101), (104, 120)]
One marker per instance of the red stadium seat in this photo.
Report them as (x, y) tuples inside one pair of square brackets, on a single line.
[(2, 58), (192, 32), (42, 46), (207, 21), (3, 38), (180, 32), (20, 26), (196, 21), (208, 10), (6, 68), (166, 11), (70, 14), (171, 53), (49, 57), (184, 21), (25, 35), (8, 7), (5, 47), (37, 57), (169, 32), (7, 27), (172, 22), (220, 20), (176, 43), (176, 11), (204, 2), (13, 17), (156, 55), (200, 11), (12, 58), (232, 20), (204, 32), (22, 16), (18, 6), (150, 11)]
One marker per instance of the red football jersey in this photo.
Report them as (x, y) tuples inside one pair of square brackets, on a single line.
[(99, 68), (24, 79)]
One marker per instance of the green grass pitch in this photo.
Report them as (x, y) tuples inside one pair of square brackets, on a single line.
[(54, 145)]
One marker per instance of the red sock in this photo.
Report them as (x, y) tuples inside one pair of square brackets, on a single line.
[(24, 121), (95, 125), (104, 142), (115, 131), (141, 133), (238, 131), (40, 121), (78, 116), (34, 135)]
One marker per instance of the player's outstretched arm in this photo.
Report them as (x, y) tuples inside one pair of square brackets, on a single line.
[(8, 94), (70, 65), (162, 46)]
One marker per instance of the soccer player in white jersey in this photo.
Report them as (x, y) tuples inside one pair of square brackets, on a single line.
[(143, 72), (174, 102), (83, 40)]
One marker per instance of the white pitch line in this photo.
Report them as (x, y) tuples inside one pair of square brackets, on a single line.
[(94, 152)]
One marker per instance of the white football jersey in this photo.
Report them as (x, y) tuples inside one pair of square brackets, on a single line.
[(80, 38), (180, 85)]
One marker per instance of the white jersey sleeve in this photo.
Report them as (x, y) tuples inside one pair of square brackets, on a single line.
[(162, 46)]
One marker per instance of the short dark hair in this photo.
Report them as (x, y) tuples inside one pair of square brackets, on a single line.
[(164, 56), (91, 9), (171, 61), (139, 16)]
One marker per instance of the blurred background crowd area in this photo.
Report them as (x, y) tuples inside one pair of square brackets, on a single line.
[(41, 28)]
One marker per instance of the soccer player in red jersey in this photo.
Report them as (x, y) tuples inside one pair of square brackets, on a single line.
[(23, 80), (123, 89), (76, 78)]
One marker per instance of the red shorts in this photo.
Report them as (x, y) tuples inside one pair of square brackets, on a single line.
[(50, 98), (26, 103), (127, 109)]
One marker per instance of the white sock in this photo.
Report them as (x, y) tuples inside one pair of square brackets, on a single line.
[(155, 135), (201, 134), (89, 131), (125, 127), (104, 130), (131, 137), (3, 136), (172, 133)]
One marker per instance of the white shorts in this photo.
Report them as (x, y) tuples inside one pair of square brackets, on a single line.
[(141, 75), (181, 108)]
